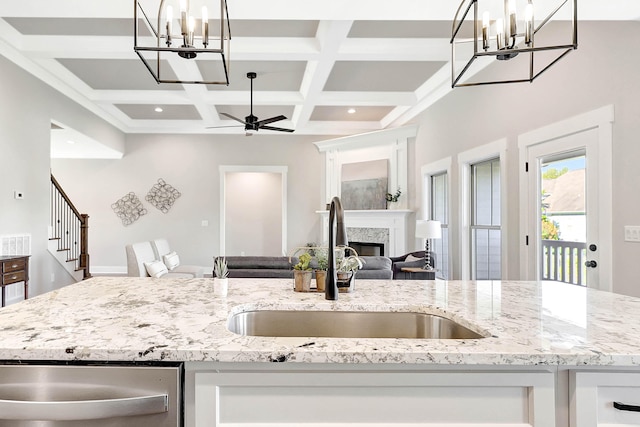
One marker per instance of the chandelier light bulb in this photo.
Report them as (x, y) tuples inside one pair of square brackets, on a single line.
[(169, 24), (500, 33), (513, 30), (192, 29), (183, 17), (528, 22), (485, 30), (205, 26)]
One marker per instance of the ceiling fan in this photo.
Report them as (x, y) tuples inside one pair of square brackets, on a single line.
[(251, 122)]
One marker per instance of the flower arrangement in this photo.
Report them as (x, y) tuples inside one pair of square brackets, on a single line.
[(393, 197)]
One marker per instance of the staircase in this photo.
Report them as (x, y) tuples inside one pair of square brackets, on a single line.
[(68, 234)]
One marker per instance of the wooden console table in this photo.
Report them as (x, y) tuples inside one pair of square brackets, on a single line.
[(14, 269)]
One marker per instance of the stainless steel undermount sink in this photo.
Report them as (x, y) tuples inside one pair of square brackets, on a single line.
[(347, 324)]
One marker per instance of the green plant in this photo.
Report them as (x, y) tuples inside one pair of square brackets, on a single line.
[(220, 268), (350, 263), (393, 197), (322, 258), (303, 262)]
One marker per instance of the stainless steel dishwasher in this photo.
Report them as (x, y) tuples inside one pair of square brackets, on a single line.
[(96, 395)]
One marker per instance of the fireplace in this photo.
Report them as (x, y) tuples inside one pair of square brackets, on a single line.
[(382, 227), (368, 248)]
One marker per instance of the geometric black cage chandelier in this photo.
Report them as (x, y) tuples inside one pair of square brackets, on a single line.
[(185, 38), (525, 38)]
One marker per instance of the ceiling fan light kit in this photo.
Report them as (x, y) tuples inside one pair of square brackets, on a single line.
[(165, 32), (251, 122), (526, 38)]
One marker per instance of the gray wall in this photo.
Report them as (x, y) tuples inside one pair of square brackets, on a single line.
[(602, 71), (190, 163), (27, 107)]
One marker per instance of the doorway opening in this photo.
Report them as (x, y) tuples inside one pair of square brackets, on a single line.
[(253, 220)]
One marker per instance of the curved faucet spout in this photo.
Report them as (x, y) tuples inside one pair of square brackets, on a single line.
[(336, 217)]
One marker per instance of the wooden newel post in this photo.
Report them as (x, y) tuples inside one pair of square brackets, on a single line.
[(84, 245)]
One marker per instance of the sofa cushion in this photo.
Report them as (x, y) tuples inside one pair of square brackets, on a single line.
[(156, 268), (171, 260), (375, 263), (260, 262), (260, 273)]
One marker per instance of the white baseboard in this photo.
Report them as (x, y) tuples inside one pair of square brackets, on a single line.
[(106, 270)]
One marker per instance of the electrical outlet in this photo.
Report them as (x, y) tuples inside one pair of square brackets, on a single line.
[(631, 233), (53, 277), (204, 223)]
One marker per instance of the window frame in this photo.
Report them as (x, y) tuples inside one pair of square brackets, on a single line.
[(496, 149), (442, 166)]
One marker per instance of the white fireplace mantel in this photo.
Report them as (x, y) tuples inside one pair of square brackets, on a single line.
[(395, 221)]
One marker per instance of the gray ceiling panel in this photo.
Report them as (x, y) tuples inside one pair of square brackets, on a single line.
[(380, 76), (271, 75), (169, 112), (340, 113), (116, 74)]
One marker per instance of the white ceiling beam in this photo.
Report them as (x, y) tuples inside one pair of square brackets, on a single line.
[(330, 35)]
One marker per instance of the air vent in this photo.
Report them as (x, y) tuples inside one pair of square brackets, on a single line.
[(15, 244)]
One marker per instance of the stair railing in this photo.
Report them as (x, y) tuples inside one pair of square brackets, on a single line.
[(70, 229)]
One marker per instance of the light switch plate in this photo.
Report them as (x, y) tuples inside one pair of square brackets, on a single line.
[(632, 233)]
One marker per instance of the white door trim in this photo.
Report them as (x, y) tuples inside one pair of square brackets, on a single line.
[(601, 119), (223, 169)]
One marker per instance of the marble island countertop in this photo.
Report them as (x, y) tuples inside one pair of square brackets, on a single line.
[(137, 319)]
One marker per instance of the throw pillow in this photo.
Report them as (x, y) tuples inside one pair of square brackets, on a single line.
[(171, 260), (411, 258), (156, 268)]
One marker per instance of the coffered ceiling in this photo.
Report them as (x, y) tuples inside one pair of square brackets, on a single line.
[(314, 59)]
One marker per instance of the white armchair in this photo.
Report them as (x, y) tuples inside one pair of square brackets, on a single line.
[(162, 250), (141, 259)]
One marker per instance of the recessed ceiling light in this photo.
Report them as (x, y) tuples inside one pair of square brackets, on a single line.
[(70, 142), (158, 109), (351, 110)]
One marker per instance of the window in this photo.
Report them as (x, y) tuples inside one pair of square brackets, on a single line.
[(439, 207), (485, 220)]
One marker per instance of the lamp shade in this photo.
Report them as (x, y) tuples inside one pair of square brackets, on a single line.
[(428, 229)]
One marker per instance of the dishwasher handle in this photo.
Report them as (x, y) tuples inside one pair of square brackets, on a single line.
[(77, 410)]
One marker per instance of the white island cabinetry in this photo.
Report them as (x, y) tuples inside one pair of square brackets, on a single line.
[(410, 396)]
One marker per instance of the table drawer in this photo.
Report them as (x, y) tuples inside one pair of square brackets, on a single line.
[(13, 265), (14, 277)]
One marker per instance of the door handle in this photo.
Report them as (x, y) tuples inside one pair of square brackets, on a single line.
[(83, 409), (591, 264)]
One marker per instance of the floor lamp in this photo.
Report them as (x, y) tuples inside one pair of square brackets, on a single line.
[(428, 229)]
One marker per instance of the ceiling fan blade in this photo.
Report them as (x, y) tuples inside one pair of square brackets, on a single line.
[(234, 118), (278, 129), (271, 120), (220, 127)]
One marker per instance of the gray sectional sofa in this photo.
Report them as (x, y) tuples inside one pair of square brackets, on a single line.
[(374, 267)]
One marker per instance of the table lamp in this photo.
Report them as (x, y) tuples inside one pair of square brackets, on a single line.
[(428, 229)]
